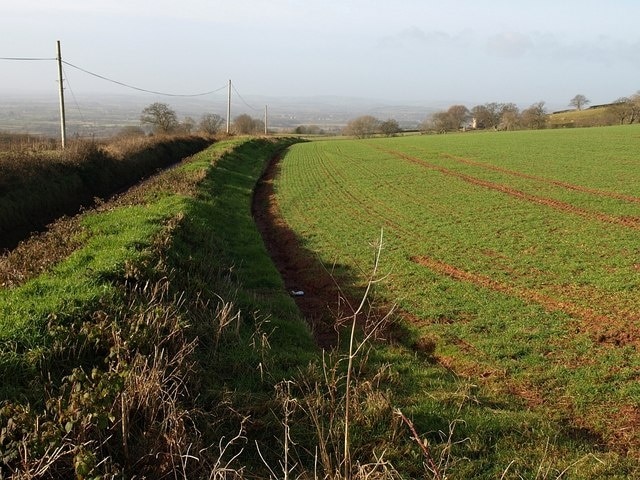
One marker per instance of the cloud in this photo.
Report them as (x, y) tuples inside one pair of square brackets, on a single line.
[(415, 36), (509, 44), (600, 50)]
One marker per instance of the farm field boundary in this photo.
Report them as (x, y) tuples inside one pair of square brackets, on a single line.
[(151, 339)]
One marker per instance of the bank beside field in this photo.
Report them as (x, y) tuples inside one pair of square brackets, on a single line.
[(38, 185), (118, 358)]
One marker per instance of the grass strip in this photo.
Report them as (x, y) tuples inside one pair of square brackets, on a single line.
[(173, 287)]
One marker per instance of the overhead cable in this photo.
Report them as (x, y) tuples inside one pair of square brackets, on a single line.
[(27, 59), (243, 100), (66, 77), (102, 77)]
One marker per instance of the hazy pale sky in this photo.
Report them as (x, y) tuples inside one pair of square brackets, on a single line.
[(470, 51)]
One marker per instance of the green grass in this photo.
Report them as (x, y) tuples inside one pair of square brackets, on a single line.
[(116, 238), (518, 392), (218, 243), (65, 367), (32, 314), (546, 291)]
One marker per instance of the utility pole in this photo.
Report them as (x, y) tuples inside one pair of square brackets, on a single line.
[(63, 123), (265, 121), (229, 109)]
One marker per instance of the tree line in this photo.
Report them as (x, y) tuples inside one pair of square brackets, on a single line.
[(626, 109), (497, 116), (162, 119), (368, 125)]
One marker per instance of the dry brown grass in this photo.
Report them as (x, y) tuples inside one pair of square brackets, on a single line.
[(37, 254), (37, 185), (10, 142), (128, 412)]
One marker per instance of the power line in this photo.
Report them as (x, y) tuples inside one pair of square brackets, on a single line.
[(243, 100), (123, 84), (75, 100), (27, 59), (102, 77)]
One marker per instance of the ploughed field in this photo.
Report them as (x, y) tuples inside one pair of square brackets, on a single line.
[(518, 253)]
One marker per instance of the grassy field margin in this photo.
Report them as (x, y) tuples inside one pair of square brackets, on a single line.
[(148, 345)]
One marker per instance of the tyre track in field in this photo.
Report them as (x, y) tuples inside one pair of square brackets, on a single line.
[(366, 204), (617, 327), (628, 222), (611, 327), (324, 292), (621, 434), (383, 210), (548, 181), (618, 330)]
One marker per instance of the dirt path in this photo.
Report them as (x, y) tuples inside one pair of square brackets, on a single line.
[(322, 300)]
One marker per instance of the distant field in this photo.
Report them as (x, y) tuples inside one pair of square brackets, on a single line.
[(590, 117), (518, 252)]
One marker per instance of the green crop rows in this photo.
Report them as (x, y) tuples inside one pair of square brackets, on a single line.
[(519, 252)]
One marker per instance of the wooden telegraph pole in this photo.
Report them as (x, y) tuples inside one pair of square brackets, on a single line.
[(63, 124), (265, 121), (229, 108)]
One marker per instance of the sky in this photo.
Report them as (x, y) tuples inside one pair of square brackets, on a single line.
[(401, 51)]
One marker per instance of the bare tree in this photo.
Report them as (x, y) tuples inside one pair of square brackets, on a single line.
[(427, 125), (450, 120), (534, 117), (389, 127), (211, 123), (487, 115), (510, 118), (188, 124), (362, 127), (459, 115), (246, 125), (440, 122), (579, 101), (161, 117), (490, 115), (626, 109)]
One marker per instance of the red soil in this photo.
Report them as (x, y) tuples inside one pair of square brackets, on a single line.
[(323, 300), (557, 183)]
